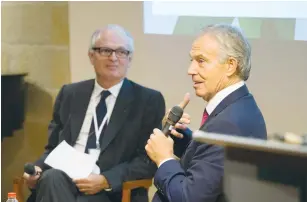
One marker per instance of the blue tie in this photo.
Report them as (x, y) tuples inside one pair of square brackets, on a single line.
[(101, 111)]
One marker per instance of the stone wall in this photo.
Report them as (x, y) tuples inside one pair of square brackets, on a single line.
[(35, 39)]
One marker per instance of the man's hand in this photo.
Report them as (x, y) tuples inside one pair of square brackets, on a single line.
[(159, 147), (32, 180), (182, 124), (92, 184), (185, 119)]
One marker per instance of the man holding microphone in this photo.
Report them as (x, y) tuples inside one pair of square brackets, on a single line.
[(220, 65)]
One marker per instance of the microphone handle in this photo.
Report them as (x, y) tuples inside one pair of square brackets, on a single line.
[(166, 130)]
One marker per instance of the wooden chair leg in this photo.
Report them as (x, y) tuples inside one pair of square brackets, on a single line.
[(126, 195), (18, 188)]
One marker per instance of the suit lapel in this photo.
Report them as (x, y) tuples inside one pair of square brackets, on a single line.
[(80, 102), (231, 98), (119, 115)]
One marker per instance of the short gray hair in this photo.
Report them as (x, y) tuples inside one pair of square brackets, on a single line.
[(96, 35), (233, 44)]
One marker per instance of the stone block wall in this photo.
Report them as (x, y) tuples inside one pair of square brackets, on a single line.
[(35, 39)]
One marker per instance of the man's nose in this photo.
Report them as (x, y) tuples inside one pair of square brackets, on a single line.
[(192, 69), (113, 56)]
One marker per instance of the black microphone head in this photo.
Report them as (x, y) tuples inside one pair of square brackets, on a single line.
[(175, 115), (29, 168)]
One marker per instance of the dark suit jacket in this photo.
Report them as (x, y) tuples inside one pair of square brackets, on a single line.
[(137, 111), (199, 174)]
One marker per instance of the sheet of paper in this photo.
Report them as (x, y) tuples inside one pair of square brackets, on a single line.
[(95, 153), (74, 163)]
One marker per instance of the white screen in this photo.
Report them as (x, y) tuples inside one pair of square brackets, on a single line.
[(284, 20)]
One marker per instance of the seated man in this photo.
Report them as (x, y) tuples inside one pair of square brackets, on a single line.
[(220, 63), (125, 111)]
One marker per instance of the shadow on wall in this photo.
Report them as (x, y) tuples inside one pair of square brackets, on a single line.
[(27, 144)]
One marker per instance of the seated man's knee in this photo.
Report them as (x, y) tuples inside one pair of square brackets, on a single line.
[(51, 174)]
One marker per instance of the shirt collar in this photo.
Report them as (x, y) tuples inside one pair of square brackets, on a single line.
[(221, 95), (114, 90)]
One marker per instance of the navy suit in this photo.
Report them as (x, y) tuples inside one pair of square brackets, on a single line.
[(198, 176)]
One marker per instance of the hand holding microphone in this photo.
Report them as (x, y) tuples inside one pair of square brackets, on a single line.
[(31, 174), (160, 146), (175, 118)]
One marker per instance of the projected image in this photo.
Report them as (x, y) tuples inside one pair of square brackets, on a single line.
[(286, 20)]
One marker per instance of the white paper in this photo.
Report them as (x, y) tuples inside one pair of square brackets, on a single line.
[(95, 153), (74, 163)]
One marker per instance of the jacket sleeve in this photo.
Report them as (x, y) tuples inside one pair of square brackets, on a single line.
[(140, 167), (202, 181), (180, 144)]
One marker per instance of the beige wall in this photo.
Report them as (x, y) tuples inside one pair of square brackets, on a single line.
[(278, 81), (34, 39)]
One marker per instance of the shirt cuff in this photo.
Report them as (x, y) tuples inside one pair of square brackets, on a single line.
[(110, 189), (165, 161)]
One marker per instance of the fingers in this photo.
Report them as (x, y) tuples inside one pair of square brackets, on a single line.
[(150, 139), (38, 169), (176, 134), (81, 181), (30, 180), (180, 126), (185, 102), (157, 132), (186, 116), (170, 139), (83, 187), (26, 176), (148, 149), (184, 121)]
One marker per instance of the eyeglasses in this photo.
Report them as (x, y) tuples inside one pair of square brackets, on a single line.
[(108, 51)]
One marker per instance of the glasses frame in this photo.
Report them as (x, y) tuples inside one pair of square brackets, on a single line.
[(117, 52)]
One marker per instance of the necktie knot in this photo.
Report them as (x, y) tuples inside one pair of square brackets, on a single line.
[(205, 117), (105, 94)]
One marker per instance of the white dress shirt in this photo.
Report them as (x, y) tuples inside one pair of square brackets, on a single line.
[(216, 100), (94, 100), (221, 95)]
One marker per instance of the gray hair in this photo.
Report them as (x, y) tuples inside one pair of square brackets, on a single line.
[(96, 35), (233, 44)]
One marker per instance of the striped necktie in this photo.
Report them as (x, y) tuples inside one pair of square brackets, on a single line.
[(101, 111)]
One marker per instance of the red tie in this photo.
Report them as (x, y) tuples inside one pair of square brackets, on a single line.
[(205, 117)]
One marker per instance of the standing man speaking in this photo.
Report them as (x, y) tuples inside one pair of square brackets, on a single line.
[(220, 65)]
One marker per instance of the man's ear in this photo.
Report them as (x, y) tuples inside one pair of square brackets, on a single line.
[(232, 66), (130, 57), (91, 56)]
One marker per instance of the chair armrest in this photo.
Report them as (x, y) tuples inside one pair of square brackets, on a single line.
[(18, 188), (129, 185), (137, 183)]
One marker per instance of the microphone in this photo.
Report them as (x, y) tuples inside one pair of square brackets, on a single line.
[(30, 169), (173, 117)]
